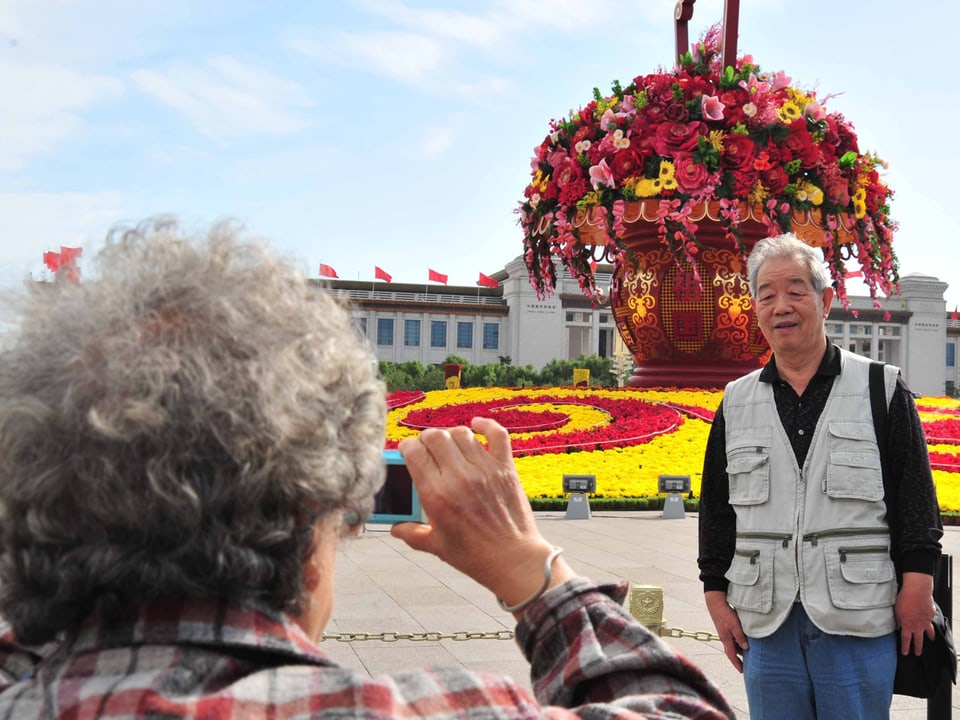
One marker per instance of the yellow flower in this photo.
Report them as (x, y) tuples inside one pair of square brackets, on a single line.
[(667, 170), (647, 187), (716, 139), (788, 112), (540, 181), (758, 194), (811, 193)]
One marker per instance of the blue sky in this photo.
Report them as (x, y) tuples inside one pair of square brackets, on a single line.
[(378, 132)]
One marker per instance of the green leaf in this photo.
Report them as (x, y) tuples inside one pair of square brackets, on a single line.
[(847, 159)]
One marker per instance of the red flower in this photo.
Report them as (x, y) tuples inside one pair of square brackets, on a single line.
[(626, 163), (775, 179), (799, 144), (737, 152), (676, 137), (690, 174)]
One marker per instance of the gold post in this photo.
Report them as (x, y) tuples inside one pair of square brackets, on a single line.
[(646, 606)]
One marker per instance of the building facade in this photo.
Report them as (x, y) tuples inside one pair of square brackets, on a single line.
[(404, 322)]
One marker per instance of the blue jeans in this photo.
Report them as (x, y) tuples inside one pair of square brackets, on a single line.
[(802, 673)]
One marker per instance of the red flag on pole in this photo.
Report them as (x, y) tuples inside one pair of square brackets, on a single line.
[(69, 254), (381, 274), (437, 277), (327, 271), (953, 315), (68, 262), (487, 281), (52, 260)]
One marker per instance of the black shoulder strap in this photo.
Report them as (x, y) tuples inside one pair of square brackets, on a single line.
[(878, 403)]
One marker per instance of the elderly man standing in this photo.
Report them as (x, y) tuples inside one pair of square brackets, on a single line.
[(801, 545), (183, 444)]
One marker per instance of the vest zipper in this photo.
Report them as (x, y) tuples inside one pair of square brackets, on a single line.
[(752, 554), (782, 537), (865, 549), (813, 538)]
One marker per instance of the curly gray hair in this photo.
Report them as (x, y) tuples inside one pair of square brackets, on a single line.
[(175, 428), (788, 245)]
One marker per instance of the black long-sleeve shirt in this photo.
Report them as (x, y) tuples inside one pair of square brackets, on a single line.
[(913, 513)]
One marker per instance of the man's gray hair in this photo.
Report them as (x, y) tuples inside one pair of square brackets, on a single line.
[(788, 245), (175, 428)]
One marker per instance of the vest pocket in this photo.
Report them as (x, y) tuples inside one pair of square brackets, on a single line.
[(748, 470), (854, 469), (860, 574), (751, 579)]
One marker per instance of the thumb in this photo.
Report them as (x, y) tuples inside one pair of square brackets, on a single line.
[(416, 535)]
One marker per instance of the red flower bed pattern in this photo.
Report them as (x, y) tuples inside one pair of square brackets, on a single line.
[(401, 398), (942, 431), (515, 421), (945, 462), (632, 422)]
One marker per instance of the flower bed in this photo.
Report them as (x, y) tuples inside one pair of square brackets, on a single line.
[(628, 438)]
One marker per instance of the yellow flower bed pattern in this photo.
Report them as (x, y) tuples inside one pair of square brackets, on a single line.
[(632, 471)]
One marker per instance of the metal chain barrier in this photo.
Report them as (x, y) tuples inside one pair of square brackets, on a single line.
[(646, 605), (460, 636), (464, 635), (700, 635)]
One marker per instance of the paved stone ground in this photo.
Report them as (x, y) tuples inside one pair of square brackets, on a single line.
[(382, 585)]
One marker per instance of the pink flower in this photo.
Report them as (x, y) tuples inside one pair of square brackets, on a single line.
[(780, 80), (814, 111), (712, 107), (601, 175)]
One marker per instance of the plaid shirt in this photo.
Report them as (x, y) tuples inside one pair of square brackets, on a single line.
[(206, 659)]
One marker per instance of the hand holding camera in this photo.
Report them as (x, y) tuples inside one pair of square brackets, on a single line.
[(480, 520)]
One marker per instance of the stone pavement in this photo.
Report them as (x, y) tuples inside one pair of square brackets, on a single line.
[(382, 585)]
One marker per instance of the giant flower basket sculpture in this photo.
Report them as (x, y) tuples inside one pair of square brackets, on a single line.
[(672, 179)]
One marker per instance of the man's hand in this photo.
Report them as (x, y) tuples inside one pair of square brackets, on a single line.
[(727, 622), (914, 611)]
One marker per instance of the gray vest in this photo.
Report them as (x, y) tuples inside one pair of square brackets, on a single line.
[(817, 534)]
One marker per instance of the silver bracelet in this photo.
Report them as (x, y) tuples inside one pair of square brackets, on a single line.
[(547, 576)]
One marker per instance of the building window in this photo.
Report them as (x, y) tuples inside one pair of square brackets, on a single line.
[(438, 333), (361, 324), (578, 342), (411, 333), (384, 331), (464, 334), (491, 336), (951, 354)]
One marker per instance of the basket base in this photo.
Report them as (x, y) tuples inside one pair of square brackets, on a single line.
[(706, 377)]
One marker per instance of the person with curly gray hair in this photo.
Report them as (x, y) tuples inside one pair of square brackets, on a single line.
[(181, 442)]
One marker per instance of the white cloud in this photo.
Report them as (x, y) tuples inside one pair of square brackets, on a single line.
[(436, 142), (225, 99), (410, 58), (43, 106), (485, 32)]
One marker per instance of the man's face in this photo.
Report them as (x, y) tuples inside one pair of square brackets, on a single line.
[(790, 312)]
